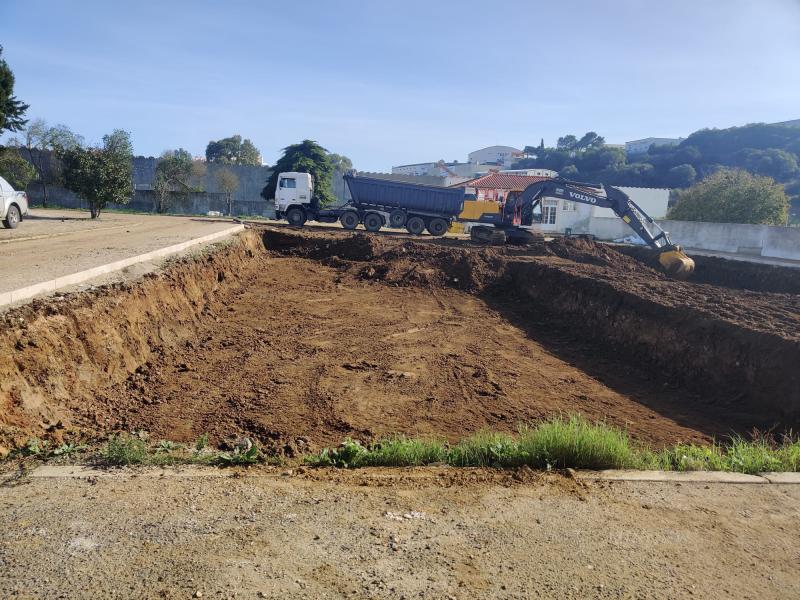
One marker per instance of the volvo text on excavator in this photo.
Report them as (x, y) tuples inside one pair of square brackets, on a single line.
[(508, 226)]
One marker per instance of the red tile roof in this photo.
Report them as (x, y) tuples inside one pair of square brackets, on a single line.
[(502, 181)]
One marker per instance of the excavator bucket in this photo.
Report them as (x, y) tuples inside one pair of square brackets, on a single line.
[(676, 263)]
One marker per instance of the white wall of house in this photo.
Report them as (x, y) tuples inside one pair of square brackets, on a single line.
[(415, 169), (503, 155), (598, 221), (642, 146)]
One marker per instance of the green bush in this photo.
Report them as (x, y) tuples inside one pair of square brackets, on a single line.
[(125, 450)]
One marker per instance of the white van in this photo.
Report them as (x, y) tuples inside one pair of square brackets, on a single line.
[(13, 205)]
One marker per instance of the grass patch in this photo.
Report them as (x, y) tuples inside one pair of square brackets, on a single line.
[(561, 443), (124, 449)]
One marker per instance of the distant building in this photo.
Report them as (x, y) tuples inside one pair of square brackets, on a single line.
[(502, 156), (531, 172), (496, 186), (642, 146), (455, 170)]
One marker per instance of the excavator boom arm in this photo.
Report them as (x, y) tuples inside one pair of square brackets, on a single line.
[(519, 211)]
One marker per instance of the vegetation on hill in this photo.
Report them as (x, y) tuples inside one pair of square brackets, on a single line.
[(760, 149)]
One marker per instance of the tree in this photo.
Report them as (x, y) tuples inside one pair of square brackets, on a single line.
[(233, 151), (733, 196), (568, 142), (306, 157), (101, 174), (175, 172), (340, 163), (228, 183), (590, 140), (681, 176), (12, 111), (42, 145), (15, 169)]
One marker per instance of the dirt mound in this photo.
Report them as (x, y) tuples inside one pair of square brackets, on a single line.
[(586, 251), (734, 274)]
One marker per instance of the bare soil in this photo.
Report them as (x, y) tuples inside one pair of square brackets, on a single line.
[(300, 338), (410, 533)]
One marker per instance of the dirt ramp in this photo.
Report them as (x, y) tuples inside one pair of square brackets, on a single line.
[(56, 356)]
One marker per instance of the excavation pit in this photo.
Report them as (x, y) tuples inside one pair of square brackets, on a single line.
[(299, 338)]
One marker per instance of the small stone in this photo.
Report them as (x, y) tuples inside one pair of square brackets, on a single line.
[(198, 594)]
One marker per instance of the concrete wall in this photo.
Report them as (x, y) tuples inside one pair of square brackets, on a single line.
[(195, 203), (752, 240), (747, 240)]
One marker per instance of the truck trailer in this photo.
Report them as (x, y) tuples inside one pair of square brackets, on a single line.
[(375, 202)]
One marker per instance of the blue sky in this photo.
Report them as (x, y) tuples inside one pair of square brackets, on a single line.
[(399, 82)]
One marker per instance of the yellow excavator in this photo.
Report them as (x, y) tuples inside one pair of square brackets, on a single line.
[(508, 226)]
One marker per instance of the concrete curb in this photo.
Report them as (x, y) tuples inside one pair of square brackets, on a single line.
[(674, 476), (81, 276), (84, 472), (181, 471)]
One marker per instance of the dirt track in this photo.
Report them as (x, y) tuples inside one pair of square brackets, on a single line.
[(468, 534), (331, 334)]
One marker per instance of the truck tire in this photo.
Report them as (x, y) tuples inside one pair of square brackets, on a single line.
[(349, 219), (12, 217), (415, 225), (373, 221), (296, 216), (397, 218), (437, 227)]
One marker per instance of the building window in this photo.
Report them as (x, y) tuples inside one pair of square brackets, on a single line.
[(548, 215), (569, 206)]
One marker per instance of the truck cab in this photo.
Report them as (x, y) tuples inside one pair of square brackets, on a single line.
[(294, 191)]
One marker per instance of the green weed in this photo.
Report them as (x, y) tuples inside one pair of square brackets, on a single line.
[(125, 450)]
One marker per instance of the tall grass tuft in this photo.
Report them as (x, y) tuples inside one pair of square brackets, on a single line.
[(401, 451), (577, 443), (566, 442)]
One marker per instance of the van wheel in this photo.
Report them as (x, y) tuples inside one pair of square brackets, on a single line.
[(437, 227), (12, 217), (397, 218), (373, 222), (296, 217), (415, 225), (349, 219)]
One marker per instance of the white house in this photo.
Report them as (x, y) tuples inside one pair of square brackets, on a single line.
[(560, 215), (643, 145)]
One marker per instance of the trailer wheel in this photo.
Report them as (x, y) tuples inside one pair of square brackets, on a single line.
[(415, 225), (349, 219), (373, 222), (437, 227), (296, 216), (397, 218)]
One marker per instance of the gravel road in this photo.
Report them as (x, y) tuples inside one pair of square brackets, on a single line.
[(411, 533), (52, 243)]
